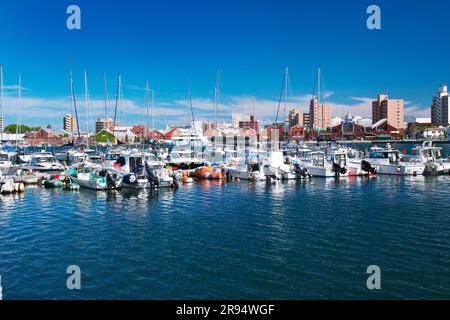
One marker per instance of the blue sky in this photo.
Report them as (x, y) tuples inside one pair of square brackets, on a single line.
[(168, 42)]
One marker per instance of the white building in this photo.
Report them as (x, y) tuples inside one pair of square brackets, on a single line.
[(12, 137), (69, 123), (423, 120), (336, 121), (238, 117), (434, 133), (439, 108)]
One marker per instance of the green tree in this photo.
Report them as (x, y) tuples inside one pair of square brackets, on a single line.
[(104, 136), (11, 128)]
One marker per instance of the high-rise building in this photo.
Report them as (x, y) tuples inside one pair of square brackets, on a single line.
[(390, 109), (238, 117), (320, 115), (306, 120), (69, 123), (105, 124), (1, 125), (295, 118), (252, 123), (439, 108)]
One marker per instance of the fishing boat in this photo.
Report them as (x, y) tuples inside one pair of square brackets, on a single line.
[(43, 163), (277, 168), (138, 174), (435, 163), (89, 177), (251, 170), (319, 164), (391, 162)]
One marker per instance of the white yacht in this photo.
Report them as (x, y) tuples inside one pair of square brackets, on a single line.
[(88, 176), (318, 164), (185, 159), (43, 163), (392, 162), (7, 166), (435, 163), (139, 174), (251, 170), (277, 168)]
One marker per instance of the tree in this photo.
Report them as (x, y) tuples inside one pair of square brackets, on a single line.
[(11, 128), (104, 136)]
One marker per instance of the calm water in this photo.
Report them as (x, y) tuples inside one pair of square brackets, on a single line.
[(311, 239)]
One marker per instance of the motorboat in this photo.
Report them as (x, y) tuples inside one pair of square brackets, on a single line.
[(251, 170), (318, 164), (435, 163), (279, 167), (139, 174), (185, 159), (87, 176), (43, 163), (7, 166), (391, 162)]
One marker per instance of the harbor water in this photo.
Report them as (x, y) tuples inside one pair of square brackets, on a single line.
[(215, 240)]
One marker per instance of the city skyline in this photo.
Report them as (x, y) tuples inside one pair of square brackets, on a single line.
[(168, 46)]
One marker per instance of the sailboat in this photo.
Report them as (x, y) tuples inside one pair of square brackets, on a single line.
[(187, 148)]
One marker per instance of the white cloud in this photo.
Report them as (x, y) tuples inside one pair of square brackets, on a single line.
[(38, 109)]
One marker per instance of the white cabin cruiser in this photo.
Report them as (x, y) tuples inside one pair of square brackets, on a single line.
[(88, 176), (185, 159), (277, 168), (7, 167), (320, 165), (139, 174), (43, 163), (248, 170), (392, 162), (435, 163)]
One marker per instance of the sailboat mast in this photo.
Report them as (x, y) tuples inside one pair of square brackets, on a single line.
[(117, 103), (105, 93), (153, 109), (19, 111), (216, 97), (72, 91), (147, 129), (86, 103), (1, 101), (253, 111), (286, 74), (318, 100)]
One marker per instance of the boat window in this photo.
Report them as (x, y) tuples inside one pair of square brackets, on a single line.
[(393, 159), (3, 157), (318, 160), (121, 161), (379, 155)]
